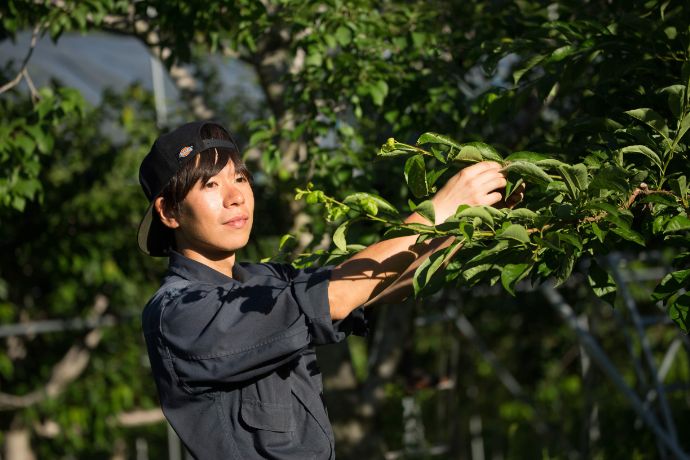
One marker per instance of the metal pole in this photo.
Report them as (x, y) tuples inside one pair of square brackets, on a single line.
[(174, 451), (159, 92), (598, 355), (630, 304)]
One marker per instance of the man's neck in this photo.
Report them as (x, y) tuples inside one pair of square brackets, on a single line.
[(222, 263)]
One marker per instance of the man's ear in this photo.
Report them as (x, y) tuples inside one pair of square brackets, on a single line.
[(168, 219)]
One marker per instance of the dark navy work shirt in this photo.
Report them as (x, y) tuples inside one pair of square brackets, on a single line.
[(234, 361)]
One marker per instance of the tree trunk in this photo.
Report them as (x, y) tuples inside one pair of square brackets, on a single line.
[(18, 444)]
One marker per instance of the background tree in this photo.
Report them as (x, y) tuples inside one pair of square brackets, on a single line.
[(600, 87)]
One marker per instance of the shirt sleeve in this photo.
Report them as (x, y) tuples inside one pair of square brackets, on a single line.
[(231, 333), (235, 332), (310, 288)]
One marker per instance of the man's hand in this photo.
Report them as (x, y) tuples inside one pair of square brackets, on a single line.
[(515, 197), (478, 184)]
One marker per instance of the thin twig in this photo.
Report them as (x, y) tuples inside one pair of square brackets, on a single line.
[(32, 88), (22, 72)]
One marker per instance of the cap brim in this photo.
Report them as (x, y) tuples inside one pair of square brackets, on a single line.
[(153, 237)]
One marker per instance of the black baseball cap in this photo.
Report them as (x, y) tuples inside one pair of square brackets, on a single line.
[(168, 154)]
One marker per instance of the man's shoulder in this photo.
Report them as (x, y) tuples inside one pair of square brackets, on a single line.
[(277, 270)]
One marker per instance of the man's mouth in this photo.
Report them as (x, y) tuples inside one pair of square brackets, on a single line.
[(237, 222)]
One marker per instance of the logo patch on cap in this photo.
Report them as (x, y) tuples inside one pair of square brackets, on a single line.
[(184, 151)]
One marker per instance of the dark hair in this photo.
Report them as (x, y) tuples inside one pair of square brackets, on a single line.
[(202, 167)]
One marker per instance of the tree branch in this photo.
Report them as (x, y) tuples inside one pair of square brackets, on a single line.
[(65, 371), (139, 417), (23, 73)]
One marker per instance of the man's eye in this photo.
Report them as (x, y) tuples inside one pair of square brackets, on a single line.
[(211, 184), (240, 178)]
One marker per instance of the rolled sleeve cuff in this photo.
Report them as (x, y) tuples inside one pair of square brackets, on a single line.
[(310, 288)]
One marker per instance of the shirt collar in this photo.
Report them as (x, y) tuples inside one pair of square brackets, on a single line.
[(196, 271)]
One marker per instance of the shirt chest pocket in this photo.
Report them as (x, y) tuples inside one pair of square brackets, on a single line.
[(267, 404)]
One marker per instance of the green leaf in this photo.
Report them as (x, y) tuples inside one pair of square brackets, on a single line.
[(486, 151), (680, 187), (433, 175), (468, 154), (287, 243), (565, 268), (424, 273), (545, 243), (426, 210), (678, 223), (550, 163), (561, 53), (660, 198), (415, 176), (339, 237), (489, 253), (598, 232), (602, 283), (530, 172), (671, 284), (467, 230), (393, 148), (678, 311), (571, 239), (604, 206), (651, 119), (675, 94), (683, 127), (343, 35), (524, 155), (370, 203), (514, 232), (477, 211), (659, 224), (522, 213), (628, 234), (396, 232), (529, 64), (557, 186), (378, 91), (434, 138), (511, 274), (646, 151), (44, 141), (610, 177), (575, 178)]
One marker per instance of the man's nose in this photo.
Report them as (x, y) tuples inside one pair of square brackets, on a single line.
[(233, 195)]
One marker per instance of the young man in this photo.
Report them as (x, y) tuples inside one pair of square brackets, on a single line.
[(231, 344)]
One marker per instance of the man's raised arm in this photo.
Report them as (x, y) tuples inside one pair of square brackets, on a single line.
[(366, 275)]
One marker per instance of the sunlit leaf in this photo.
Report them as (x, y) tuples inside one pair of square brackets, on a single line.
[(426, 210), (646, 151), (434, 138), (678, 311), (530, 172), (415, 176), (602, 283), (511, 274), (339, 236), (514, 232), (671, 284), (677, 224), (477, 211), (651, 118)]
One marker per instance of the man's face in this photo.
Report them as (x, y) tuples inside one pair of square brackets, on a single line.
[(216, 217)]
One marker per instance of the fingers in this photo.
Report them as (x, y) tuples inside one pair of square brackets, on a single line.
[(490, 199), (483, 166), (494, 182)]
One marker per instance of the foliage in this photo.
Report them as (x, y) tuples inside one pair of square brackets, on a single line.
[(585, 102), (626, 185)]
